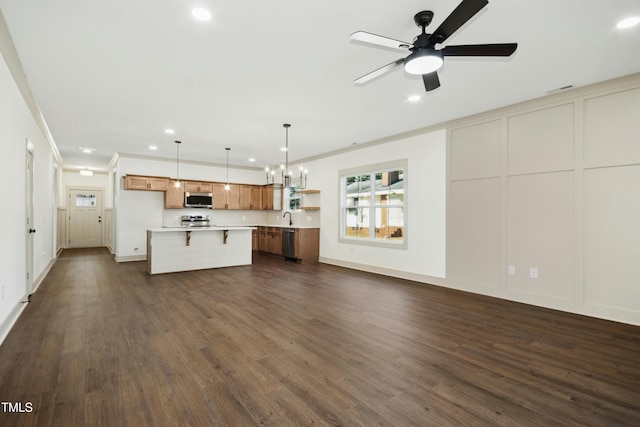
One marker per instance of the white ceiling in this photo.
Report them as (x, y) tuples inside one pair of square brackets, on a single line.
[(112, 75)]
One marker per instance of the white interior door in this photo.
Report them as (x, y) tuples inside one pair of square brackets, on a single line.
[(85, 218), (29, 221)]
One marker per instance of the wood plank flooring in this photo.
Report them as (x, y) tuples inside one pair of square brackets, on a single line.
[(285, 344)]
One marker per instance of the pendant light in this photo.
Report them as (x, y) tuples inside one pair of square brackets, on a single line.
[(177, 183), (287, 175), (227, 186)]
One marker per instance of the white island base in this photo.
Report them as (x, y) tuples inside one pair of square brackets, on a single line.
[(182, 249)]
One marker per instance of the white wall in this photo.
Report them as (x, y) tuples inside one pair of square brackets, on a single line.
[(72, 178), (424, 257), (17, 125), (551, 185)]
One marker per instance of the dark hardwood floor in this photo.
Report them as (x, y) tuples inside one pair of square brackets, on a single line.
[(285, 344)]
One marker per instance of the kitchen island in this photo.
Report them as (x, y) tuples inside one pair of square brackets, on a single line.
[(173, 249)]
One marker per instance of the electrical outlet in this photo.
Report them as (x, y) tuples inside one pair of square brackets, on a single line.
[(244, 217), (533, 273), (308, 218), (511, 270)]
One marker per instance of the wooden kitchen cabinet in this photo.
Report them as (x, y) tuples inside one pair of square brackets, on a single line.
[(270, 240), (245, 196), (255, 240), (233, 196), (307, 244), (148, 183), (262, 239), (272, 197), (174, 197), (198, 187), (219, 196), (250, 196), (277, 241), (226, 199), (256, 197)]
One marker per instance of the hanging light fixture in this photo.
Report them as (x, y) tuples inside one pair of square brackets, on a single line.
[(227, 186), (177, 183), (303, 177), (287, 175)]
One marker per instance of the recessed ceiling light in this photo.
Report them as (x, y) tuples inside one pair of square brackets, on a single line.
[(628, 22), (413, 98), (87, 150), (153, 147), (85, 172), (283, 149), (201, 14), (251, 159), (169, 131)]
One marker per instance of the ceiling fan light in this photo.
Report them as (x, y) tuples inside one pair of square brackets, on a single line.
[(628, 23), (201, 14), (423, 62)]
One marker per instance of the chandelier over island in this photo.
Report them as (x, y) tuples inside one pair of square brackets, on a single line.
[(285, 172)]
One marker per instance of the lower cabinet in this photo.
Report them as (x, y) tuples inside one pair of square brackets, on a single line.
[(255, 240), (307, 242), (269, 240)]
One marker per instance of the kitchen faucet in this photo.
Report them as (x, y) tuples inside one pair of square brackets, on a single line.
[(290, 221)]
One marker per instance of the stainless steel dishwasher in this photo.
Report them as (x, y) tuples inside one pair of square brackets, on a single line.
[(289, 242)]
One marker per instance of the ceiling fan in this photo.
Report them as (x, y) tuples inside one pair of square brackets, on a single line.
[(425, 59)]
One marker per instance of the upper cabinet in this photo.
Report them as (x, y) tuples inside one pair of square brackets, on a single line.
[(198, 187), (233, 196), (238, 196), (219, 196), (272, 197), (174, 196), (250, 196), (149, 183), (226, 199)]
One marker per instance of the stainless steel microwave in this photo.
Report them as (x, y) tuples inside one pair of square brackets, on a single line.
[(198, 200)]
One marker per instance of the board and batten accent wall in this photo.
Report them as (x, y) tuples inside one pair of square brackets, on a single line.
[(544, 201)]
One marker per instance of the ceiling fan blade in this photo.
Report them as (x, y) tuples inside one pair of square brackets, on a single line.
[(460, 15), (363, 36), (499, 49), (380, 71), (431, 81)]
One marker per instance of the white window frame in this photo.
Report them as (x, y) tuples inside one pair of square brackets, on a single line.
[(373, 169)]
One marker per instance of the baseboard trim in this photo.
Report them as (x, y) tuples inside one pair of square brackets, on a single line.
[(129, 258), (583, 309), (12, 318), (415, 277), (41, 277)]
